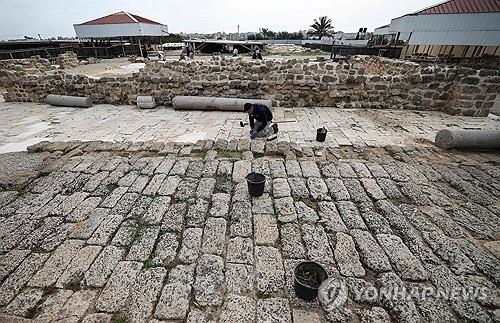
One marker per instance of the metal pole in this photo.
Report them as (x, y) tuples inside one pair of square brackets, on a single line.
[(140, 47), (123, 49), (93, 46)]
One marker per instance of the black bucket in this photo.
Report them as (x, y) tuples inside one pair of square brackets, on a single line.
[(307, 277), (321, 134), (256, 183)]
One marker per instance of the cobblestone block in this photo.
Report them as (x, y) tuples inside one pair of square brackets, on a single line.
[(318, 189), (316, 243), (350, 215), (269, 273), (276, 310), (281, 188), (337, 189), (24, 303), (214, 236), (103, 234), (56, 264), (371, 253), (174, 302), (206, 188), (75, 271), (241, 220), (330, 218), (49, 309), (169, 185), (291, 242), (293, 168), (403, 310), (262, 204), (181, 274), (179, 167), (309, 169), (156, 210), (155, 184), (305, 213), (174, 217), (240, 250), (103, 266), (285, 210), (209, 283), (16, 281), (142, 247), (144, 294), (408, 266), (238, 309), (166, 249), (298, 187), (220, 205), (197, 213), (347, 257), (239, 278), (360, 169), (114, 295), (190, 246), (266, 229)]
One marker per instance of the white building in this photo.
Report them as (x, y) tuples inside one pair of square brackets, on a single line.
[(120, 24), (454, 28)]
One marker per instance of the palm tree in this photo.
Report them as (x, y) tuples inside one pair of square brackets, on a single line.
[(322, 26)]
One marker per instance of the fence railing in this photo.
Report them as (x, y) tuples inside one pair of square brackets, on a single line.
[(81, 52), (283, 41), (346, 51)]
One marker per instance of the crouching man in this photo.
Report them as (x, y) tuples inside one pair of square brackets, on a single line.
[(261, 121)]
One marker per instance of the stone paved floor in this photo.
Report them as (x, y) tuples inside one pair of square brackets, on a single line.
[(23, 124), (94, 232)]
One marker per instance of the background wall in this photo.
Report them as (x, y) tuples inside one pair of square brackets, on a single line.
[(362, 81)]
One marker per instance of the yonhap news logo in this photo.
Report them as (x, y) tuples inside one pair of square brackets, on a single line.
[(334, 292)]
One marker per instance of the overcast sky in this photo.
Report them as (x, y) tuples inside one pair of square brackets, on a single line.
[(56, 17)]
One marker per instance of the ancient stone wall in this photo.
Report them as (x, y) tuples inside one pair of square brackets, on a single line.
[(14, 68), (453, 89), (67, 60), (368, 82)]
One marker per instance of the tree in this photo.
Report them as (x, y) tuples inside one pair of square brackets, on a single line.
[(322, 26), (282, 35), (267, 33)]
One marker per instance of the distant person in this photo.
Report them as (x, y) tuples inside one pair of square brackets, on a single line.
[(190, 52), (235, 52), (257, 55), (261, 121)]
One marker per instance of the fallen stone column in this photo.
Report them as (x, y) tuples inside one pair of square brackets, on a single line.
[(212, 103), (146, 102), (458, 138), (69, 101)]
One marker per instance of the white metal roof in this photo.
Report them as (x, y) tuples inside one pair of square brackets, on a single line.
[(120, 24), (117, 30), (384, 30), (451, 29)]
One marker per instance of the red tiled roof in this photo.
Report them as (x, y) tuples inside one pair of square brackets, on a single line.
[(121, 17), (462, 6)]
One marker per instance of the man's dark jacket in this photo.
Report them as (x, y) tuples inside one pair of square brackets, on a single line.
[(262, 114)]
